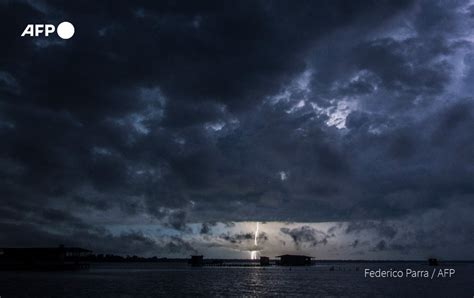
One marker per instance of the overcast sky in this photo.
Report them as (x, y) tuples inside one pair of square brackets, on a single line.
[(346, 128)]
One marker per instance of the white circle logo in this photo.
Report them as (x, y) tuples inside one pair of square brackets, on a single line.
[(65, 30)]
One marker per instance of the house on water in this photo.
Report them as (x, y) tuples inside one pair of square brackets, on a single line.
[(196, 261), (264, 261), (294, 260), (43, 258)]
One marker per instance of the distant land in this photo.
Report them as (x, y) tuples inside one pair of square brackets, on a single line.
[(134, 258)]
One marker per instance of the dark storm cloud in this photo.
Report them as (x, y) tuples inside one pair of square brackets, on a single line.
[(179, 246), (355, 243), (105, 110), (96, 239), (213, 111), (177, 220), (306, 235), (381, 228), (237, 238), (206, 227), (245, 238), (381, 245)]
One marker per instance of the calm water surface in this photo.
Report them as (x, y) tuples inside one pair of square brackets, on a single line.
[(154, 280)]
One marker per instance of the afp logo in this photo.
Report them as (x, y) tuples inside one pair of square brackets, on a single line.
[(65, 30)]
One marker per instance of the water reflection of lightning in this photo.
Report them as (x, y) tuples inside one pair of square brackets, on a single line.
[(253, 253)]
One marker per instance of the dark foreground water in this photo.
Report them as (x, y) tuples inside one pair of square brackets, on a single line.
[(154, 280)]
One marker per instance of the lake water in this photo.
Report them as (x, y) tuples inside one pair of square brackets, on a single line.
[(153, 280)]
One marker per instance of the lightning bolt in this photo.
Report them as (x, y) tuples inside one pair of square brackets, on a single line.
[(253, 253), (256, 235)]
